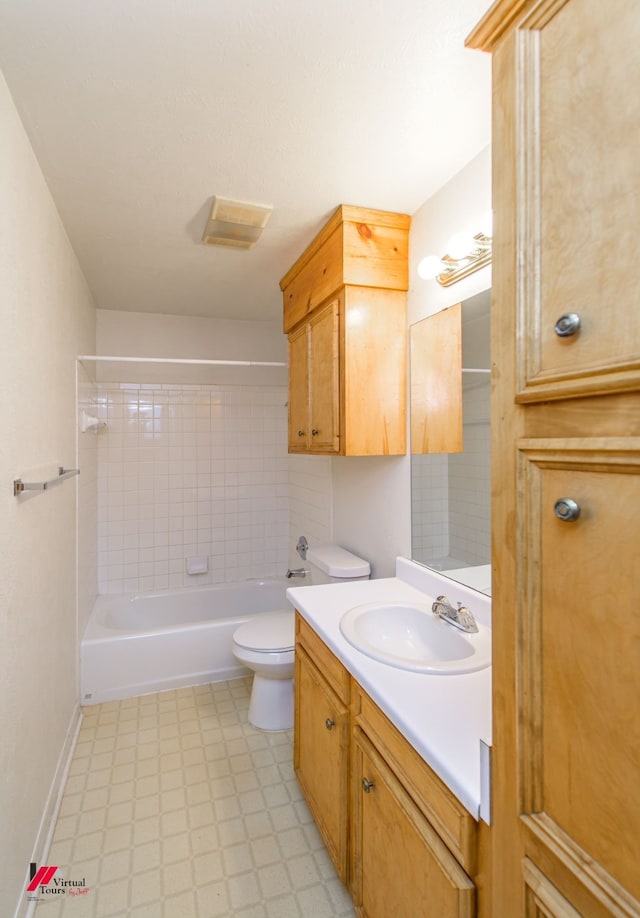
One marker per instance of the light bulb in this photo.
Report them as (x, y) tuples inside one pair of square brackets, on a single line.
[(429, 267), (460, 246), (486, 226)]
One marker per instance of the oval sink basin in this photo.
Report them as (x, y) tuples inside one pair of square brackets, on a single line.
[(410, 636)]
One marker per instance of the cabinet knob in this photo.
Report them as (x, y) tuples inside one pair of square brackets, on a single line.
[(329, 724), (314, 432), (301, 433), (567, 325), (567, 510), (367, 786)]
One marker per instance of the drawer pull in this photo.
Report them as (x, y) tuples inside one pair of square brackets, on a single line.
[(314, 432), (367, 786), (301, 433), (567, 510), (329, 724), (567, 325)]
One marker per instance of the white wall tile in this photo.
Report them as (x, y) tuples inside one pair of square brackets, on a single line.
[(210, 478)]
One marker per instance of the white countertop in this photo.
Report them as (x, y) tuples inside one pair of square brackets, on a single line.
[(444, 717)]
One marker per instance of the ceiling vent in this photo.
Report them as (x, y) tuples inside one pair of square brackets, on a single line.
[(235, 223)]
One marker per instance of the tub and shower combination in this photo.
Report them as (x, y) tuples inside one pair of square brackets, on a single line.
[(136, 644)]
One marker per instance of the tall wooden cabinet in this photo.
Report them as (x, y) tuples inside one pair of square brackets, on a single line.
[(566, 454), (345, 317)]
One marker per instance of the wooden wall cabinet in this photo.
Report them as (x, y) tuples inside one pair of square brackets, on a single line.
[(565, 427), (399, 838), (345, 317)]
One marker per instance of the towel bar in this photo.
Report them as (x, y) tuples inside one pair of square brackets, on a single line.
[(19, 485)]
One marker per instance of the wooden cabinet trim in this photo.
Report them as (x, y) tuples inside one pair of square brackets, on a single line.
[(543, 899), (505, 15), (324, 660), (343, 214)]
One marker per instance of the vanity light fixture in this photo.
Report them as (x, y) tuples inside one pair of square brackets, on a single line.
[(465, 254)]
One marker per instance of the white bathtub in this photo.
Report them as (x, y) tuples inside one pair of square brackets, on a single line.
[(135, 644)]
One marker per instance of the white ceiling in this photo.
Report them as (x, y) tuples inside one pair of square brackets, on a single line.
[(140, 111)]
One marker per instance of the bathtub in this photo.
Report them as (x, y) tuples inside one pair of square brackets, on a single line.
[(150, 642)]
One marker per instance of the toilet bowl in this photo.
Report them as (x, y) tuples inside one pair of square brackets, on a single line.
[(266, 644)]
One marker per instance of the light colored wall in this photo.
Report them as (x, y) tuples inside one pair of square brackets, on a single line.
[(47, 318), (371, 497), (137, 334), (459, 206)]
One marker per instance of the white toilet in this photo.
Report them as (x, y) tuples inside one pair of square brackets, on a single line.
[(266, 643)]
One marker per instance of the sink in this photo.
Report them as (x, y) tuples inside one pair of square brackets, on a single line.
[(410, 636)]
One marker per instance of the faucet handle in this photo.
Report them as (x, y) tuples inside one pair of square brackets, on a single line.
[(466, 619)]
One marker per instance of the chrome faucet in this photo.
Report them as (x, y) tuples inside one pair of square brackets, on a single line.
[(297, 572), (461, 617)]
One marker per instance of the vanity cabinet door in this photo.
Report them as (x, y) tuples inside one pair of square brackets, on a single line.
[(321, 756), (400, 865)]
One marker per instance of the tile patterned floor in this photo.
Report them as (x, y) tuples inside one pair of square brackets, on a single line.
[(175, 807)]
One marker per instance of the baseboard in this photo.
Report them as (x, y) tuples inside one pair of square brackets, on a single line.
[(25, 908)]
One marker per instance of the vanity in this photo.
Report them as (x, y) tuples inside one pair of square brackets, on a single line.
[(389, 758)]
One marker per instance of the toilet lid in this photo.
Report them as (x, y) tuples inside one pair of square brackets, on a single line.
[(273, 631)]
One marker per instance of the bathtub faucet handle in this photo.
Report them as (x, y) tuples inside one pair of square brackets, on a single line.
[(296, 572)]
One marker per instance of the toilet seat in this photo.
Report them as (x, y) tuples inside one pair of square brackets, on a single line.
[(273, 632)]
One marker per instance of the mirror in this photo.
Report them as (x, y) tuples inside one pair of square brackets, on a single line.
[(451, 491)]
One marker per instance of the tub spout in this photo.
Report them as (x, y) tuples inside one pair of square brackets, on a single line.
[(296, 572)]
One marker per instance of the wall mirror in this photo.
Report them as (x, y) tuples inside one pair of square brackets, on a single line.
[(450, 442)]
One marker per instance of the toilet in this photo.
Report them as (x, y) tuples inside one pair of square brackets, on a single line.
[(266, 643)]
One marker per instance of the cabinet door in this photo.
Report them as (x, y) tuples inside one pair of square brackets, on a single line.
[(579, 746), (321, 744), (580, 187), (299, 433), (324, 378), (400, 865)]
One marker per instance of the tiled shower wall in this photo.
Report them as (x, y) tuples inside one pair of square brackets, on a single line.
[(87, 461), (191, 471), (429, 507), (470, 480)]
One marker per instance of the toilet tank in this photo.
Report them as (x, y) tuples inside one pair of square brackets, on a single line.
[(333, 564)]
